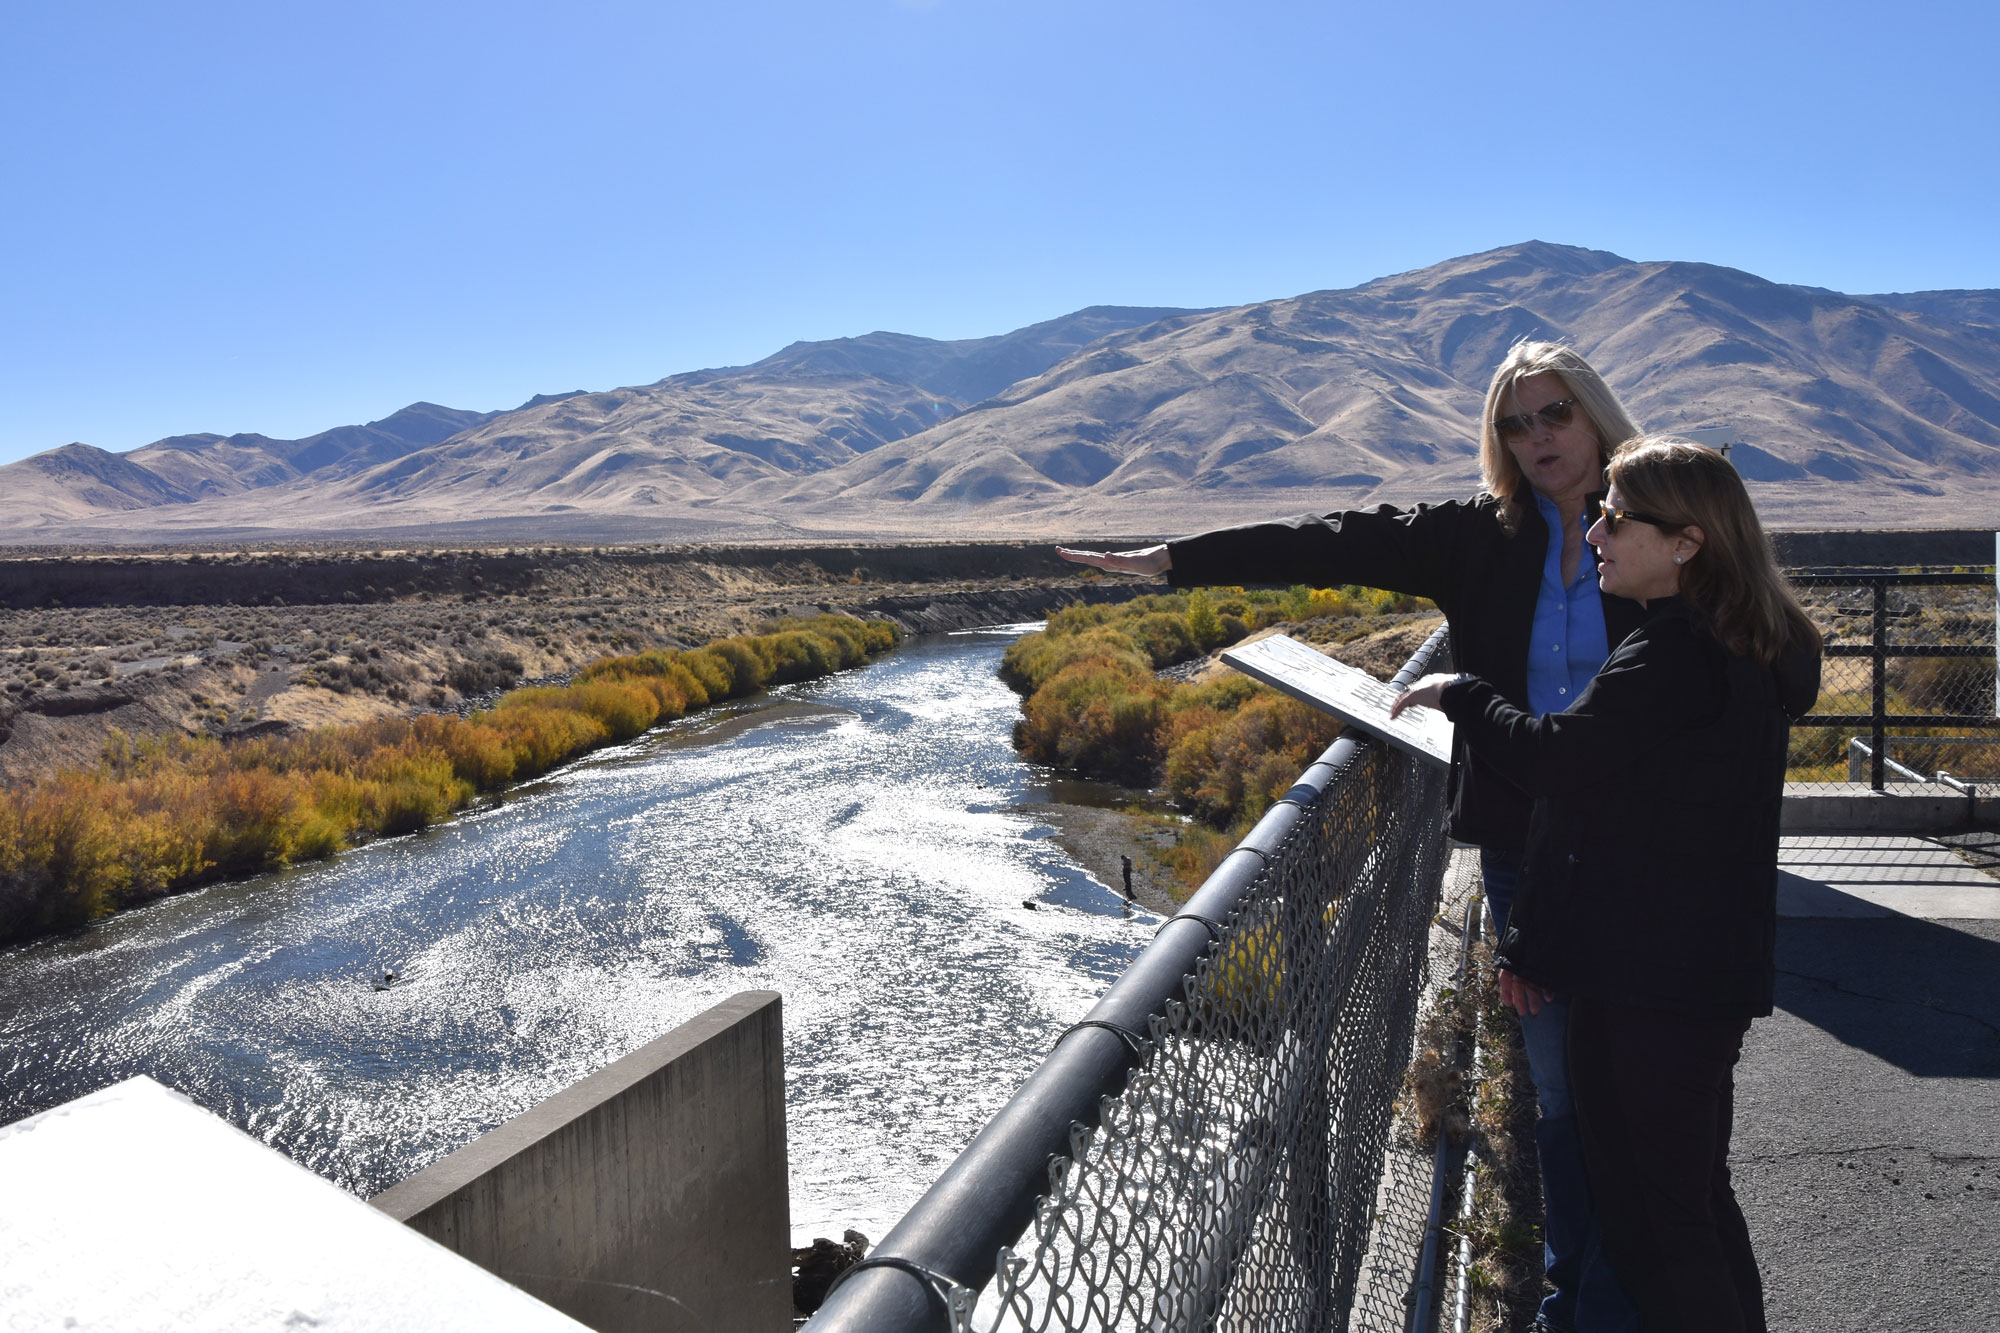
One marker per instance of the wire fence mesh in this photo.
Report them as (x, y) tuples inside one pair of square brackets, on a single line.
[(1240, 1177), (1387, 1296), (1914, 655)]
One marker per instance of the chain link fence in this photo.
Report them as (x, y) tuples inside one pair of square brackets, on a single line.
[(1907, 686), (1217, 1144), (1234, 1183)]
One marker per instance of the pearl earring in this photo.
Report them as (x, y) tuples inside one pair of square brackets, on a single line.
[(1679, 558)]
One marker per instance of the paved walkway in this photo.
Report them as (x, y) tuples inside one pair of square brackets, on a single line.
[(1867, 1145)]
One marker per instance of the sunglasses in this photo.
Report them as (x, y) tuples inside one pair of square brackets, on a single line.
[(1611, 518), (1522, 424)]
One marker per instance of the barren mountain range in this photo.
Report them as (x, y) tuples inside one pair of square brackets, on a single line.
[(1853, 411)]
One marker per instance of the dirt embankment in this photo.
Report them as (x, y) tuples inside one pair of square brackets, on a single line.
[(241, 643)]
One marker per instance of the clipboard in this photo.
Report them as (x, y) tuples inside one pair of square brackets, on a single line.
[(1350, 694)]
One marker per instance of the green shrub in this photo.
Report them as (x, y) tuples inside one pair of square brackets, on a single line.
[(794, 655), (1204, 624), (746, 667), (711, 673)]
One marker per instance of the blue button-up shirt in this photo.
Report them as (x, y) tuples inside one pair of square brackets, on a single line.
[(1569, 642)]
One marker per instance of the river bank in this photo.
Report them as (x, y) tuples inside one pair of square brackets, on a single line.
[(1100, 824), (1099, 839), (162, 816), (242, 644)]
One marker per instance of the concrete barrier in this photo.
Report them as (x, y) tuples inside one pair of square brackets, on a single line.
[(652, 1194), (1851, 807)]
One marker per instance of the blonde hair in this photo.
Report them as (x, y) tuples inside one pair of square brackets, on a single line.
[(1733, 583), (1498, 468)]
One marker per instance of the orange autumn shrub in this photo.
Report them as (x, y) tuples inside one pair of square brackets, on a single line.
[(254, 817), (1224, 750), (1097, 716), (1226, 767)]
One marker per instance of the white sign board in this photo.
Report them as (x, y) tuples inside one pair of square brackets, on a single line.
[(1350, 694)]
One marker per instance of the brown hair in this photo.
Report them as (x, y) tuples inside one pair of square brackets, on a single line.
[(1498, 467), (1733, 583)]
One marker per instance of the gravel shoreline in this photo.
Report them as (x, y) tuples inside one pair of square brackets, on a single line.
[(1096, 839)]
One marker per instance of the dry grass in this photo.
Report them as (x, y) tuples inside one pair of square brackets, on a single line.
[(1506, 1217), (1918, 614)]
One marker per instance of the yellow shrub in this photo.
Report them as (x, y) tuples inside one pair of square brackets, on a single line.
[(1098, 717), (539, 738), (254, 818), (69, 850), (712, 672), (624, 709), (746, 667), (478, 754), (167, 812), (1247, 974), (410, 789)]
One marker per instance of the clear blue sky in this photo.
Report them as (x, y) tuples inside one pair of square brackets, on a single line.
[(281, 217)]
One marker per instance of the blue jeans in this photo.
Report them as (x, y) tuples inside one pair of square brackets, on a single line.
[(1587, 1297)]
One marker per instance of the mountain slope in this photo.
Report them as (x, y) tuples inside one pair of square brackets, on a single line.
[(1876, 410), (1969, 307), (1373, 393), (79, 481), (687, 439), (191, 468)]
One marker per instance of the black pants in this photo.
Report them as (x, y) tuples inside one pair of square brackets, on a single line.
[(1654, 1093)]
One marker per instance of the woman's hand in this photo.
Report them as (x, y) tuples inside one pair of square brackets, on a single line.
[(1144, 561), (1524, 997), (1423, 694)]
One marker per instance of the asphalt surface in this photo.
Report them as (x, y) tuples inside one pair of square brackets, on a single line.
[(1867, 1143)]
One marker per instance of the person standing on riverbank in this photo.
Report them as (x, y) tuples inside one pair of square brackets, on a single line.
[(1511, 572)]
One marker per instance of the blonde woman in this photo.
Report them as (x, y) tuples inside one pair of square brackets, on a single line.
[(1514, 577), (1648, 899)]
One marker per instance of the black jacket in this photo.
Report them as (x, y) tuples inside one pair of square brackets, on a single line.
[(1652, 866), (1484, 580)]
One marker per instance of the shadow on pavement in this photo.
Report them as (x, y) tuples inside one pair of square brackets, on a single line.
[(1921, 995)]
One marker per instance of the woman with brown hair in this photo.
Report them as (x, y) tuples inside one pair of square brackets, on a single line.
[(1648, 898), (1513, 575)]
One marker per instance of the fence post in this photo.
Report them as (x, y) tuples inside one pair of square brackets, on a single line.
[(1879, 706)]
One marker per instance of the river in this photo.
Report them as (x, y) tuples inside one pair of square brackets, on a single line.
[(849, 843)]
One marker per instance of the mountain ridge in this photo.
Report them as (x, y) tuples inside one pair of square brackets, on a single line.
[(1882, 408)]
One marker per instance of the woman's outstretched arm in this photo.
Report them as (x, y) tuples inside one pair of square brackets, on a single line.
[(1146, 560)]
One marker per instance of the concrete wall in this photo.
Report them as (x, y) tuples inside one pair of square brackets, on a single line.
[(1905, 807), (650, 1195)]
